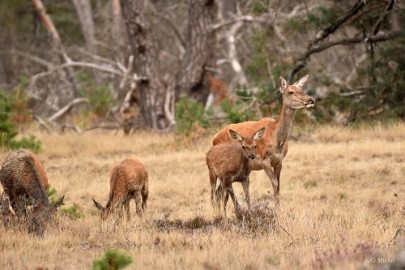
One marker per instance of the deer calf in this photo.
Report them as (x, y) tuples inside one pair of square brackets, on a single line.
[(128, 180), (23, 179), (230, 163)]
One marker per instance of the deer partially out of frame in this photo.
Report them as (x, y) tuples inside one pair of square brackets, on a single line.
[(23, 179), (230, 163), (128, 180), (273, 147)]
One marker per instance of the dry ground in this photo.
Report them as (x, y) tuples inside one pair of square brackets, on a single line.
[(342, 190)]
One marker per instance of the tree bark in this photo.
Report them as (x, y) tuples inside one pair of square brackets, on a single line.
[(147, 80), (199, 58), (84, 13), (62, 95), (117, 24), (3, 81)]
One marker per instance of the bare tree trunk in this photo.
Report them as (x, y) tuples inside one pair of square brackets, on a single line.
[(117, 24), (199, 58), (3, 81), (60, 53), (228, 11), (228, 8), (84, 13), (148, 82)]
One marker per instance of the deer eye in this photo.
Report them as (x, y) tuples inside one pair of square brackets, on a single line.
[(290, 92), (243, 147)]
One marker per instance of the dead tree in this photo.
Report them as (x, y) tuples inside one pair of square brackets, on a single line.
[(199, 58), (148, 83), (63, 94)]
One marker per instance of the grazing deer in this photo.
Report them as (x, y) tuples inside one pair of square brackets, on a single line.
[(40, 169), (230, 163), (22, 177), (128, 180), (273, 147)]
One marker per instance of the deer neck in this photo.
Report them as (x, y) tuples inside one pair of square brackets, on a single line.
[(283, 126)]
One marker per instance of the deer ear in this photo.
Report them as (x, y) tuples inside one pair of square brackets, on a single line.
[(99, 207), (259, 134), (302, 81), (235, 135), (283, 85), (60, 202)]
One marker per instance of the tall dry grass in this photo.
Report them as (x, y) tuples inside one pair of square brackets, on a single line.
[(342, 202)]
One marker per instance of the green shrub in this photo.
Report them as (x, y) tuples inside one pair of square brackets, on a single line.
[(100, 97), (189, 114), (31, 143), (8, 130), (242, 108), (72, 212), (52, 195), (112, 259)]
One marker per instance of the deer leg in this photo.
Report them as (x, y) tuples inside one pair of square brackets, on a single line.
[(219, 193), (277, 172), (232, 194), (234, 200), (213, 182), (127, 210), (245, 185), (225, 198), (138, 201), (273, 178)]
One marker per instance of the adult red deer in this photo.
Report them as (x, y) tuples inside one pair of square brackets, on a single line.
[(230, 163), (273, 147), (23, 177), (129, 180)]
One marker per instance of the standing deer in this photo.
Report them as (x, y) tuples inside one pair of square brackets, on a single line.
[(23, 177), (230, 163), (273, 147), (128, 180)]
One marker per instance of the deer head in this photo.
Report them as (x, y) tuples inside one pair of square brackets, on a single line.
[(42, 216), (248, 144), (104, 211), (293, 95)]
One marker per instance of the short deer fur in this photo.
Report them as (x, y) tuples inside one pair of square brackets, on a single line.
[(23, 177), (128, 180), (230, 163), (273, 147)]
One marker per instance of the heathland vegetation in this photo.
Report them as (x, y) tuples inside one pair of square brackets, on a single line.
[(342, 204)]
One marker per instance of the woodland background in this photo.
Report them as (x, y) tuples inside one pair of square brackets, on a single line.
[(86, 64)]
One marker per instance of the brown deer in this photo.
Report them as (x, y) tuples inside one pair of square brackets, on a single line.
[(40, 168), (273, 147), (230, 163), (128, 180), (23, 181)]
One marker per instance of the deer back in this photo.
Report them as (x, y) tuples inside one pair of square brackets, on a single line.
[(127, 177), (226, 160), (248, 129), (19, 176), (40, 169)]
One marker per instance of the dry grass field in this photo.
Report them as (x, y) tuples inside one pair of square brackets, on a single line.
[(342, 202)]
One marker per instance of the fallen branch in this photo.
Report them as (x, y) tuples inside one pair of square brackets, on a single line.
[(67, 108), (103, 127), (42, 123), (71, 126)]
